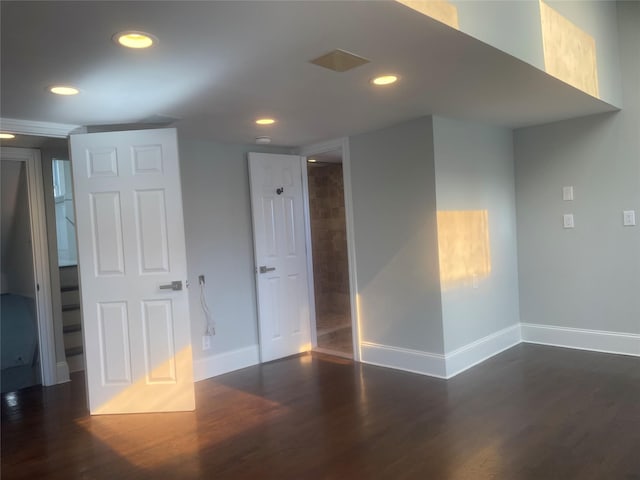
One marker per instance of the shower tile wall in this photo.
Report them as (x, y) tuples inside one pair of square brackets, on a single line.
[(330, 265)]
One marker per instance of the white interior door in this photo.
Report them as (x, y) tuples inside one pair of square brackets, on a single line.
[(131, 248), (280, 253)]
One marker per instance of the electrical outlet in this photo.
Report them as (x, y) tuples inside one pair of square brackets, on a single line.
[(567, 193), (206, 342), (567, 220), (629, 218), (201, 279)]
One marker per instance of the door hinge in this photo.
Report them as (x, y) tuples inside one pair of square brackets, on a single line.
[(37, 287)]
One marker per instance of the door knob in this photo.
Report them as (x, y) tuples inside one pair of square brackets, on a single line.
[(265, 269), (175, 285)]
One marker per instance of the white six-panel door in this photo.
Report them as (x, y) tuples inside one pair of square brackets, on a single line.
[(280, 254), (131, 248)]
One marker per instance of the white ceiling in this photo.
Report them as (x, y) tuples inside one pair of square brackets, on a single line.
[(219, 65)]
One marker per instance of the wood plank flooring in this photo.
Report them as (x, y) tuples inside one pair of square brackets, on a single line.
[(532, 412)]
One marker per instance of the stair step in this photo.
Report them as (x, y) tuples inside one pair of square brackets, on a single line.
[(72, 317), (73, 306), (68, 276), (76, 363), (69, 288), (76, 327), (70, 297), (70, 352), (72, 340)]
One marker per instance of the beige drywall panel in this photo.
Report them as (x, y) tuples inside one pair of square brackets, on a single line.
[(569, 52), (439, 10)]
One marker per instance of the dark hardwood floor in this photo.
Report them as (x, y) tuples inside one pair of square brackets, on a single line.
[(532, 412)]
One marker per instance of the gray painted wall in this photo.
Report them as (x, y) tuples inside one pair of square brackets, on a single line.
[(219, 240), (587, 277), (393, 188), (475, 171)]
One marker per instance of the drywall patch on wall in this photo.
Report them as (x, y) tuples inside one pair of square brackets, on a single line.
[(439, 10), (569, 52)]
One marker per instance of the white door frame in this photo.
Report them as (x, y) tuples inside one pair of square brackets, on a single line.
[(308, 151), (46, 343)]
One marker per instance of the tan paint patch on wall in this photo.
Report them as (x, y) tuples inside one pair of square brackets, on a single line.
[(463, 246), (569, 52), (437, 9)]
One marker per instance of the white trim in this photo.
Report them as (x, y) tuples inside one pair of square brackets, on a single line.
[(343, 144), (54, 270), (309, 250), (432, 364), (226, 362), (44, 129), (438, 365), (31, 157), (62, 372), (351, 250), (582, 339), (482, 349)]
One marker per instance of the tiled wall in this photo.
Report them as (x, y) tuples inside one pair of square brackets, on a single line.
[(329, 239)]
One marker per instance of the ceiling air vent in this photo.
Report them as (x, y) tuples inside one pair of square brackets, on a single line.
[(339, 61)]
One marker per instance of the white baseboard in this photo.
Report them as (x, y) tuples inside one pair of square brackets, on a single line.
[(62, 372), (482, 349), (453, 363), (438, 365), (425, 363), (595, 340), (226, 362)]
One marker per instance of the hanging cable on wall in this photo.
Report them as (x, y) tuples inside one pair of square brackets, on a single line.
[(210, 326)]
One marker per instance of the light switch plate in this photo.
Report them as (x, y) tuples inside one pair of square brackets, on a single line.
[(567, 220), (567, 193), (629, 218)]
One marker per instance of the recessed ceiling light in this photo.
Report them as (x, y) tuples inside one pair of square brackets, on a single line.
[(133, 39), (64, 90), (7, 136), (385, 80), (263, 140), (265, 121), (312, 160)]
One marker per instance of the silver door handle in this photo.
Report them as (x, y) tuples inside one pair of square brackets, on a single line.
[(265, 269), (175, 285)]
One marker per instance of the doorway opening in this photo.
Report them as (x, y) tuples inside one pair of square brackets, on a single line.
[(67, 254), (19, 320), (333, 323)]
